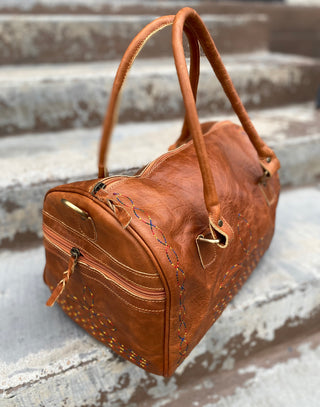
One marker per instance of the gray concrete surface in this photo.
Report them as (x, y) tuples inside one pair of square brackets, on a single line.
[(118, 5), (96, 5), (46, 360), (54, 97), (54, 158), (24, 38)]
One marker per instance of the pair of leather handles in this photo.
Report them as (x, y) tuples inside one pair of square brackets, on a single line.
[(189, 21)]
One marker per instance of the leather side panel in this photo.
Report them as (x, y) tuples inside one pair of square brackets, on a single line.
[(168, 209), (133, 327)]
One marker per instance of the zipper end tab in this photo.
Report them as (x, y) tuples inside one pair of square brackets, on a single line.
[(58, 290), (56, 293)]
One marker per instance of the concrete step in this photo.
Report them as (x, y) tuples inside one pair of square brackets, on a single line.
[(54, 97), (138, 6), (293, 28), (25, 38), (95, 6), (263, 351), (31, 164)]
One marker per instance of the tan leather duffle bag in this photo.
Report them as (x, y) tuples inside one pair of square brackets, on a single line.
[(147, 263)]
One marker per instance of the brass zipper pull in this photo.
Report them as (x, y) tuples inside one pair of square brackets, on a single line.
[(75, 254)]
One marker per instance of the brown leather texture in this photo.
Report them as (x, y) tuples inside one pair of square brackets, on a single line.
[(147, 263)]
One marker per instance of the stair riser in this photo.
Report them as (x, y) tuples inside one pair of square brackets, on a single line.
[(37, 39), (20, 206), (125, 7), (62, 103), (293, 29)]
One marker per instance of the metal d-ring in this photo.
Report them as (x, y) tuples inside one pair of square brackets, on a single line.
[(84, 215), (203, 239)]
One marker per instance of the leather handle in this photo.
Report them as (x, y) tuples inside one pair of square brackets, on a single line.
[(268, 160), (188, 16), (187, 19), (128, 58)]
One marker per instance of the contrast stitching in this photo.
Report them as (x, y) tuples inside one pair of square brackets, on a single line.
[(122, 299), (139, 299), (246, 266), (118, 262), (105, 276), (240, 217), (174, 261), (99, 325), (92, 270)]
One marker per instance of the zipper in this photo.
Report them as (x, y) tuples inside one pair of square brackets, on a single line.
[(146, 171), (102, 184), (76, 256)]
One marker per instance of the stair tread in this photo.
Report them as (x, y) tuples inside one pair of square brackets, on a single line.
[(32, 164), (55, 97), (232, 18), (84, 70), (72, 154), (40, 343), (93, 37)]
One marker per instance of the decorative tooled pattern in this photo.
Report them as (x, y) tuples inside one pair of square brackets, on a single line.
[(173, 259), (83, 311), (239, 272)]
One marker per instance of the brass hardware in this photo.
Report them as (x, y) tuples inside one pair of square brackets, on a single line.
[(111, 205), (84, 215), (97, 187), (75, 253), (264, 177), (203, 239), (220, 223)]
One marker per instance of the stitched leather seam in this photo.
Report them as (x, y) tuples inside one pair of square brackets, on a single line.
[(199, 250), (122, 299), (247, 269), (62, 254), (118, 262), (65, 254), (182, 329), (271, 201), (118, 286), (165, 157), (162, 159), (218, 309), (131, 305), (95, 323)]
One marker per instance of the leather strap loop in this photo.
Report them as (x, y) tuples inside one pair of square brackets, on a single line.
[(128, 58), (188, 16), (189, 21)]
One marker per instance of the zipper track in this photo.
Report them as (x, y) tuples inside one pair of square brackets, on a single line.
[(62, 244), (146, 171), (153, 164)]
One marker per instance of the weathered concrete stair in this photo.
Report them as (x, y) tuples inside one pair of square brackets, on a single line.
[(31, 164), (269, 336), (54, 97), (25, 38), (292, 30), (48, 360)]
